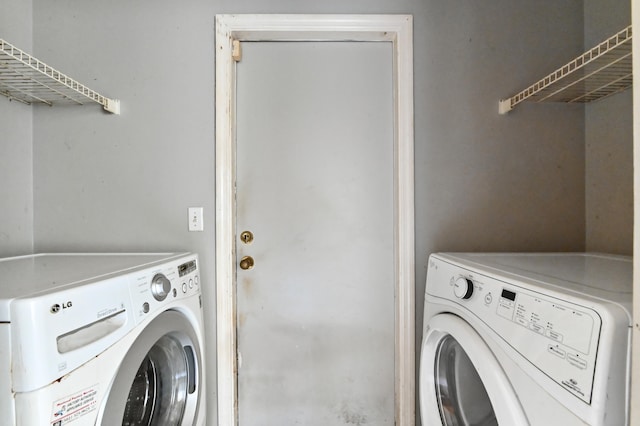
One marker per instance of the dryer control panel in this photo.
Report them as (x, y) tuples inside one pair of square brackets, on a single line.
[(557, 336)]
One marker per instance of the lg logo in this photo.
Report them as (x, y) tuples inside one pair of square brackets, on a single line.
[(57, 307)]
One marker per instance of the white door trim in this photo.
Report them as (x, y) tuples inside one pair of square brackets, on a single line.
[(391, 28)]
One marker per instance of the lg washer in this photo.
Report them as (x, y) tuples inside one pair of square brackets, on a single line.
[(526, 339), (101, 339)]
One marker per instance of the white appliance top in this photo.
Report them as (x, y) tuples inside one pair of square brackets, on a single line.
[(39, 274), (603, 276)]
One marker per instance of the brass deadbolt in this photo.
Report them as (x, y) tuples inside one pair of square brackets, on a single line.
[(246, 237), (246, 263)]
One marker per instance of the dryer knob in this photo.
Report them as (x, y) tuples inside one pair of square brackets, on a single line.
[(160, 287), (463, 288)]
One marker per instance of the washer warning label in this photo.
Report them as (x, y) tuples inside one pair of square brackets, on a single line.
[(72, 407)]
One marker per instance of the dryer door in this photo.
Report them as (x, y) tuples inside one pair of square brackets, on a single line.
[(158, 382), (461, 381)]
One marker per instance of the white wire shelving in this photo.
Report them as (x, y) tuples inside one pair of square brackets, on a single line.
[(600, 72), (26, 79)]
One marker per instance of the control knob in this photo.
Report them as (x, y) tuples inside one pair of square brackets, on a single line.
[(463, 288), (160, 287)]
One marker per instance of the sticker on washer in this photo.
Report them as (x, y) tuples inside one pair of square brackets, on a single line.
[(74, 406)]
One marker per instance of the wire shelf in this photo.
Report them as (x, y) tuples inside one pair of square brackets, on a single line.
[(602, 71), (26, 79)]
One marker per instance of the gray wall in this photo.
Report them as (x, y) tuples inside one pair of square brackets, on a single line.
[(608, 145), (483, 181), (16, 174)]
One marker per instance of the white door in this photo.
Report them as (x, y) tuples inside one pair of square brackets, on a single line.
[(315, 190), (461, 382)]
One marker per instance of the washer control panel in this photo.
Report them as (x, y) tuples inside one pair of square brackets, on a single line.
[(557, 336), (152, 289)]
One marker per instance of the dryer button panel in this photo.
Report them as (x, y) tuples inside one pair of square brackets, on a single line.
[(558, 321), (557, 337)]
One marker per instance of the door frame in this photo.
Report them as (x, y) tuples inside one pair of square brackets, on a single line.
[(230, 31)]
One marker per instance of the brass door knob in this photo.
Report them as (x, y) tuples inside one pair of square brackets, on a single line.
[(246, 263)]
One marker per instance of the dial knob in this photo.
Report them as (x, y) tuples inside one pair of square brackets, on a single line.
[(463, 288), (160, 287)]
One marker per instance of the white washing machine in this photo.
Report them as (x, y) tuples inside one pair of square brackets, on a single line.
[(101, 339), (526, 339)]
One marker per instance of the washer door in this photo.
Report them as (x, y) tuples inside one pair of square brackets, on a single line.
[(158, 382), (461, 381)]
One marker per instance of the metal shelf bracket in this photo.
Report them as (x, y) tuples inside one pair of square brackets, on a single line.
[(28, 80), (602, 71)]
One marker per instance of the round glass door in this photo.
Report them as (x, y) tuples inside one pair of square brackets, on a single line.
[(159, 392), (461, 395), (159, 381)]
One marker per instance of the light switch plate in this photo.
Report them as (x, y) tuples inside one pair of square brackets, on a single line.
[(195, 219)]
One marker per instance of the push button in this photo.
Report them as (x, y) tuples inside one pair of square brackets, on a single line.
[(553, 335), (577, 362), (523, 322), (537, 328), (556, 351)]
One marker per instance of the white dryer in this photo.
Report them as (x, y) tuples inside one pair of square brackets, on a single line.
[(101, 339), (526, 339)]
